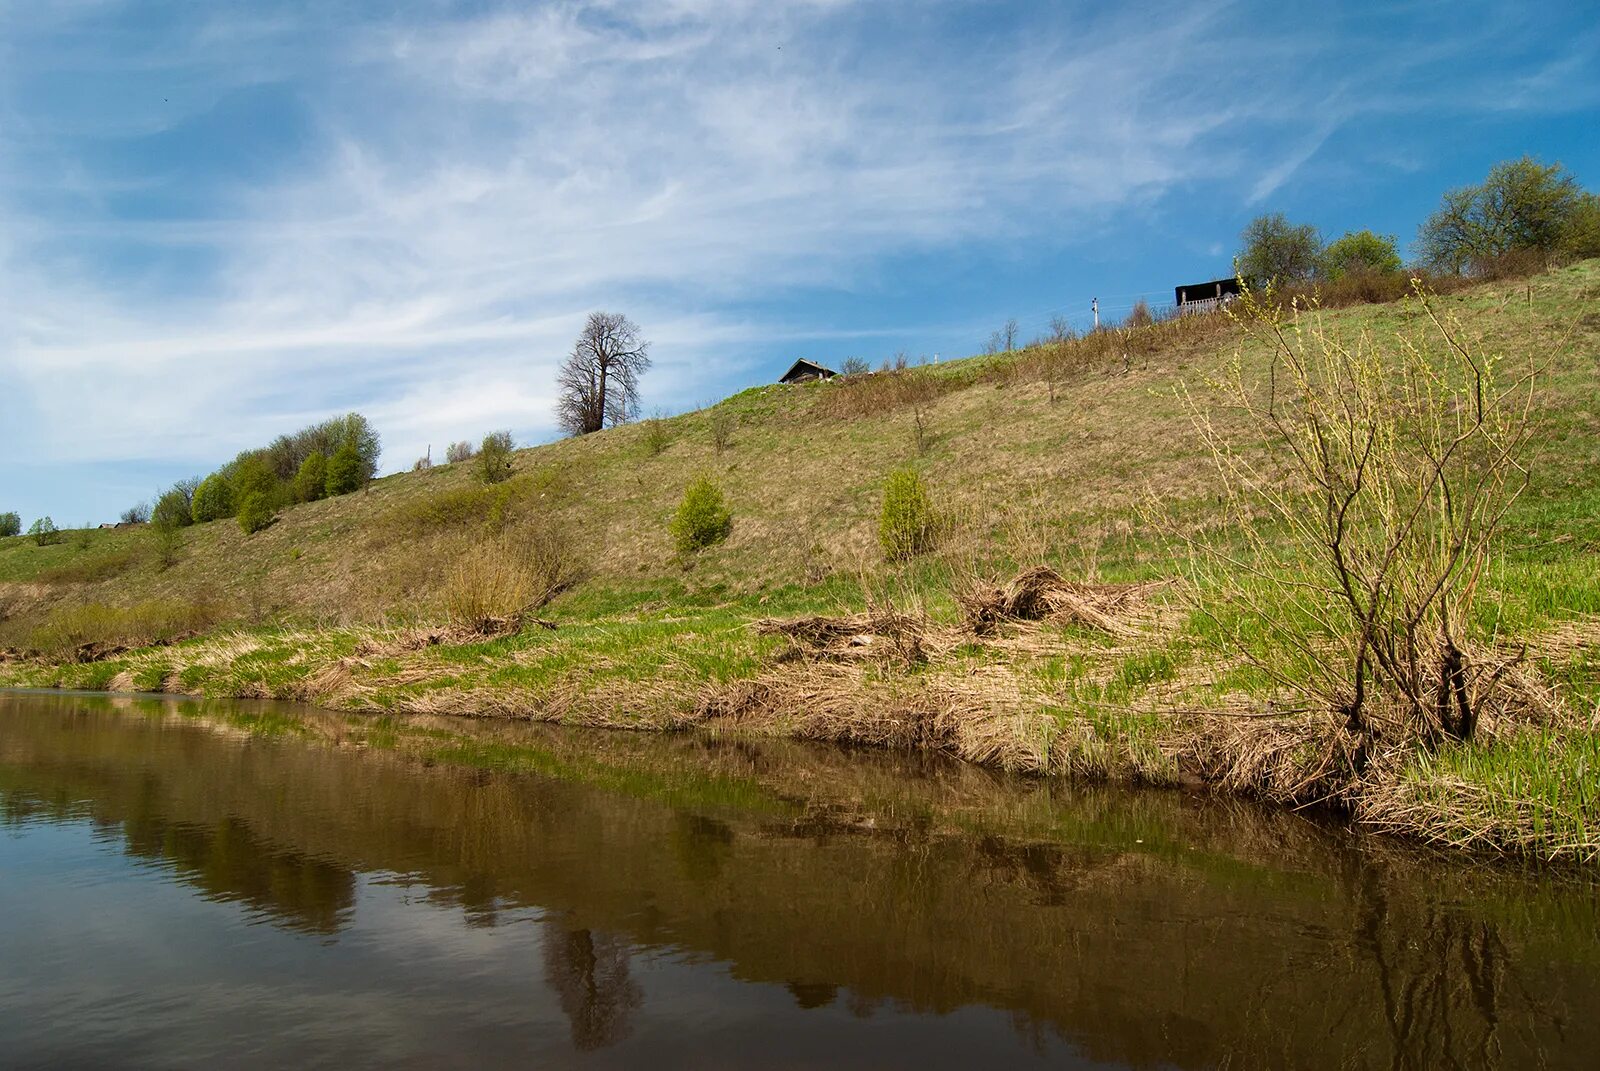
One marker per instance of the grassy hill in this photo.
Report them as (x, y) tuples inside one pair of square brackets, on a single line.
[(1058, 457)]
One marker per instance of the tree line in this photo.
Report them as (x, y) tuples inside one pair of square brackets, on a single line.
[(1521, 208), (334, 457)]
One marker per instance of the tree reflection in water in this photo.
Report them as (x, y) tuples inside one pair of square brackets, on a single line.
[(589, 973)]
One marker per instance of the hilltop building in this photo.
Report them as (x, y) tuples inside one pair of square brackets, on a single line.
[(804, 371), (1205, 297)]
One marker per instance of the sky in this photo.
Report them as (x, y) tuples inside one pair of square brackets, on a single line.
[(221, 221)]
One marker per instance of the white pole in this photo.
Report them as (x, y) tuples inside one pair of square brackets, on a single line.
[(1094, 307)]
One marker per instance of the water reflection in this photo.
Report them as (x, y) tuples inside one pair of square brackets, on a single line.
[(810, 890), (589, 973), (226, 861)]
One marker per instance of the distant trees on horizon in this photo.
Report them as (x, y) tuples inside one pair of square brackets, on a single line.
[(333, 457), (1522, 207)]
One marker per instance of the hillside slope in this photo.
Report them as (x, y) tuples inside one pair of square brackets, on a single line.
[(1033, 459)]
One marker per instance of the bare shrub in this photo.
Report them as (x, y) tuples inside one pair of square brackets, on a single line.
[(818, 567), (922, 433), (1003, 340), (1107, 351), (456, 453), (493, 583), (1140, 315), (655, 435), (721, 423), (1360, 534), (854, 366)]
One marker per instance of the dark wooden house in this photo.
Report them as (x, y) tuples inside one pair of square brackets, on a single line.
[(804, 371), (1205, 297)]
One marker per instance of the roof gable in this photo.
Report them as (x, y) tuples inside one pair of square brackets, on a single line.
[(803, 368)]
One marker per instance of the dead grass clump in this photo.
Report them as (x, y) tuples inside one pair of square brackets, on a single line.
[(877, 635), (1042, 594), (1292, 758), (420, 639), (495, 583)]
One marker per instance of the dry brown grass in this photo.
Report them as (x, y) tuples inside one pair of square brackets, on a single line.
[(878, 393), (883, 633), (493, 583), (1040, 593)]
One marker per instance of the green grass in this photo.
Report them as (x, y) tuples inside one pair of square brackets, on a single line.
[(1534, 790)]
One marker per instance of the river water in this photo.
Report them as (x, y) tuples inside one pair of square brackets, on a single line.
[(187, 884)]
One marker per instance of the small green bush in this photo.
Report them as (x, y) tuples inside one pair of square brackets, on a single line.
[(346, 471), (494, 457), (311, 482), (44, 532), (908, 525), (213, 499), (172, 510), (255, 512), (10, 524), (1361, 253), (702, 518)]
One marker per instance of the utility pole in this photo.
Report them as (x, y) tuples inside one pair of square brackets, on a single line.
[(1094, 307)]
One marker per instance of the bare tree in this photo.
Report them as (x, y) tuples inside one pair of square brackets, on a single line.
[(599, 382)]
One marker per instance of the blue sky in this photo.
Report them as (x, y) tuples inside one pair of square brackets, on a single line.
[(220, 221)]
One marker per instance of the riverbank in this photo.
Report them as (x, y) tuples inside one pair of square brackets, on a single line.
[(1129, 666), (1146, 712)]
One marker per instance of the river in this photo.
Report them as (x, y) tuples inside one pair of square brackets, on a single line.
[(196, 884)]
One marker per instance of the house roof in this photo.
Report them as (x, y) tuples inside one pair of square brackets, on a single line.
[(804, 367), (1209, 289)]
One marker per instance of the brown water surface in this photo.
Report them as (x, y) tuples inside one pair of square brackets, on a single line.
[(188, 884)]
